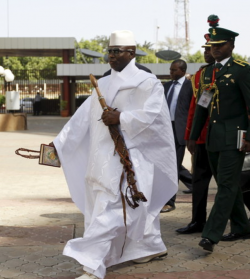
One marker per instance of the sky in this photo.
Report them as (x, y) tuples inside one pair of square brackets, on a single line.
[(150, 20)]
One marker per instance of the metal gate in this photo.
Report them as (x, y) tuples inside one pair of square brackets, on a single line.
[(30, 82)]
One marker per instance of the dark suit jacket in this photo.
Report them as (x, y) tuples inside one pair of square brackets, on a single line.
[(139, 66), (182, 107), (233, 83)]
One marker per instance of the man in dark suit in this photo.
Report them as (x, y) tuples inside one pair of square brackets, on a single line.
[(224, 96), (178, 93)]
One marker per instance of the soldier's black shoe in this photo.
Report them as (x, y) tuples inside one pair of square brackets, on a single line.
[(207, 244), (188, 191), (191, 228), (235, 236)]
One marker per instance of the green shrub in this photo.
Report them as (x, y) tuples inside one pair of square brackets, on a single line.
[(63, 104), (2, 100)]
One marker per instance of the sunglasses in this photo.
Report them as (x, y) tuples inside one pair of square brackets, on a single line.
[(117, 51)]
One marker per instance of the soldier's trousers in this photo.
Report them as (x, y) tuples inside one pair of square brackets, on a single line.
[(226, 167), (202, 175)]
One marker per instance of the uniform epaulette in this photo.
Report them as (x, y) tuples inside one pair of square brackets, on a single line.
[(204, 66), (241, 62), (193, 85)]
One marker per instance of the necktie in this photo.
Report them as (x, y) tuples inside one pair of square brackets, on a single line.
[(218, 66), (171, 93)]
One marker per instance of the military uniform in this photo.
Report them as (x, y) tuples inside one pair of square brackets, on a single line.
[(228, 114), (202, 173)]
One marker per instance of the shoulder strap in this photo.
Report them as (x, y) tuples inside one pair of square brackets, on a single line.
[(27, 156), (241, 62)]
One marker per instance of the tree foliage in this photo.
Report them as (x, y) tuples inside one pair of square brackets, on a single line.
[(240, 57), (146, 45), (197, 57), (100, 44), (102, 41), (11, 63), (149, 58)]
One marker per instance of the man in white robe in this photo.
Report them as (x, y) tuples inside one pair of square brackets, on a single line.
[(93, 172)]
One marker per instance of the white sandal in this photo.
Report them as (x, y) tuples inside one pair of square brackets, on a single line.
[(151, 257), (87, 275)]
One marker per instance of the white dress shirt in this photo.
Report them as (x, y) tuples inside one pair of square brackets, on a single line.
[(175, 96), (223, 62)]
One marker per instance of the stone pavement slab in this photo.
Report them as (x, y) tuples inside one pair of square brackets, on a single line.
[(36, 214), (35, 235)]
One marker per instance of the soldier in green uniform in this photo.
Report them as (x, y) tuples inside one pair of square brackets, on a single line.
[(224, 95)]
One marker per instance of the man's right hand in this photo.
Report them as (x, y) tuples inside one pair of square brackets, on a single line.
[(111, 117), (191, 146)]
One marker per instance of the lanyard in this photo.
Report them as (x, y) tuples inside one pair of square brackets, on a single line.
[(213, 80)]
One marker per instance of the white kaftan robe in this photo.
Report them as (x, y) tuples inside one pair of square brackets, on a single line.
[(93, 172)]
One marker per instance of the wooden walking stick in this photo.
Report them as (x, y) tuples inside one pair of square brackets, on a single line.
[(121, 149)]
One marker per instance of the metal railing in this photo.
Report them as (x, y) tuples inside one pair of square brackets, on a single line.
[(28, 83)]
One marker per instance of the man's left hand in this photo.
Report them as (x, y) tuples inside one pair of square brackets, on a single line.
[(111, 117), (245, 146)]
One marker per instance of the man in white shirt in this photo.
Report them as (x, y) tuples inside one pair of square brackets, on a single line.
[(114, 232)]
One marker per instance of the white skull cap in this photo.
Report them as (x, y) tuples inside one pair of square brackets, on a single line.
[(122, 38)]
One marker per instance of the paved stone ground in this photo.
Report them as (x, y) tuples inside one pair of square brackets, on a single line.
[(37, 217)]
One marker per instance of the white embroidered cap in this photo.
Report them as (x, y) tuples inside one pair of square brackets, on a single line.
[(122, 38)]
